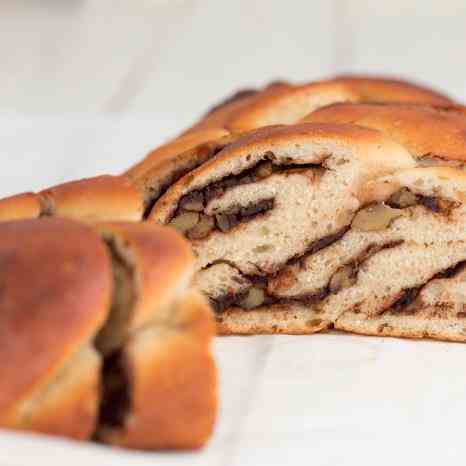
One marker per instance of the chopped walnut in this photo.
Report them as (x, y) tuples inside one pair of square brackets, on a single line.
[(374, 218)]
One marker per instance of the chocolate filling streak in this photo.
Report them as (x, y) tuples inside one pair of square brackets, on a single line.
[(407, 304), (189, 217), (405, 198), (197, 200), (115, 400), (197, 226), (207, 150), (257, 295), (346, 275), (47, 206)]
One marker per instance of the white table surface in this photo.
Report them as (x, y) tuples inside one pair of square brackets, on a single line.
[(329, 399)]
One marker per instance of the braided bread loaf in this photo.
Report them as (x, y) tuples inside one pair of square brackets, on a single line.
[(111, 340), (331, 204)]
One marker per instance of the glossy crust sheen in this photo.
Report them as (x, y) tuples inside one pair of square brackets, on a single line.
[(20, 206), (383, 89), (424, 131), (102, 198), (49, 312), (173, 379), (289, 104)]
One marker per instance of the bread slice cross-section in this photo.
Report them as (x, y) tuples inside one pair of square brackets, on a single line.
[(415, 285), (266, 203)]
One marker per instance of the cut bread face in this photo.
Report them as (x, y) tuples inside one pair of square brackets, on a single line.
[(102, 198), (415, 286), (112, 341), (392, 261), (434, 136), (277, 104), (265, 204)]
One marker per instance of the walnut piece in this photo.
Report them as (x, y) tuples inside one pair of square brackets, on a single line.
[(184, 221), (403, 198), (254, 298), (205, 225), (375, 217), (342, 278), (193, 201), (264, 170)]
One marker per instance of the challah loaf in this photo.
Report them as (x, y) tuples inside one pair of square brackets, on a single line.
[(111, 340)]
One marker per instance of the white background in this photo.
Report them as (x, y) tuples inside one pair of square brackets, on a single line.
[(88, 87)]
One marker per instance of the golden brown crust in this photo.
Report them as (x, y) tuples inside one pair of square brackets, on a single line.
[(288, 104), (74, 395), (49, 308), (281, 319), (163, 154), (174, 397), (454, 108), (424, 131), (163, 265), (220, 116), (102, 198), (422, 329), (383, 89), (20, 206), (55, 296)]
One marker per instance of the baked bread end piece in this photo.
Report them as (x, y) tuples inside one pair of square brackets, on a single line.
[(159, 376), (174, 399)]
